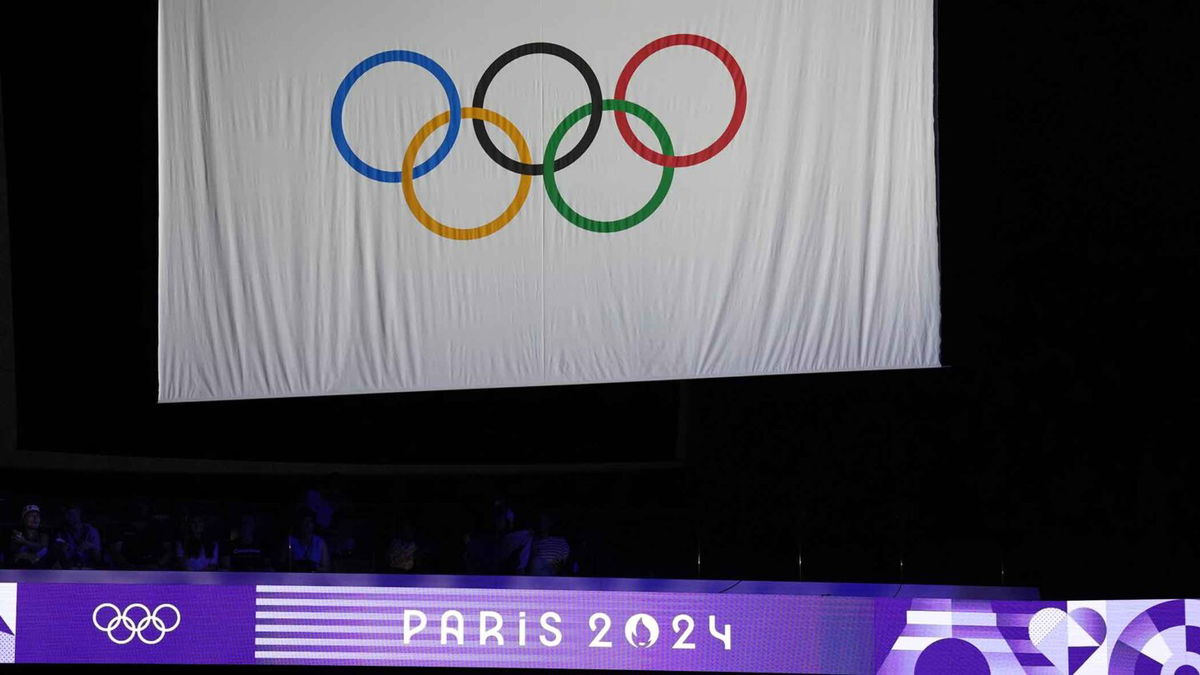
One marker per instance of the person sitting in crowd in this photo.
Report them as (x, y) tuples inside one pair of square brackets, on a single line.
[(29, 546), (548, 553), (194, 552), (244, 552), (498, 549), (306, 550), (329, 505), (141, 540), (78, 544), (404, 553)]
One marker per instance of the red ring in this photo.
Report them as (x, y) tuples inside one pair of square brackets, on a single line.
[(739, 102)]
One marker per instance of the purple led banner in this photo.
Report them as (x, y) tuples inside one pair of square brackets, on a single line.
[(368, 625), (134, 623), (466, 622), (562, 629)]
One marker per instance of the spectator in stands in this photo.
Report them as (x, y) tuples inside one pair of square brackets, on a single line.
[(498, 548), (78, 544), (404, 553), (244, 551), (195, 551), (29, 546), (325, 501), (549, 553), (140, 541), (306, 550), (320, 501)]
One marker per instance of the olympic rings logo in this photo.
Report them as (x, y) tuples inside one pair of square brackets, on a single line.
[(551, 162), (122, 622)]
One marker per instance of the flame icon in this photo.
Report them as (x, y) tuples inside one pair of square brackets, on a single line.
[(641, 630)]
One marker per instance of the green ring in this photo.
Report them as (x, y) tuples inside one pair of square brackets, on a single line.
[(664, 183)]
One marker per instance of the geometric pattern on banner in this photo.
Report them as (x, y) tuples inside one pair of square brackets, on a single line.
[(8, 623), (1063, 638), (1165, 638), (972, 636), (8, 648)]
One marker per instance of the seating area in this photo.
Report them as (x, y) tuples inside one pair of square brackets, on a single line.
[(365, 526)]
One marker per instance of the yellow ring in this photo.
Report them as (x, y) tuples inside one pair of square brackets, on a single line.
[(410, 157)]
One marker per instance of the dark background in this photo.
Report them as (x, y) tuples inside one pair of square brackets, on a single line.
[(1055, 449)]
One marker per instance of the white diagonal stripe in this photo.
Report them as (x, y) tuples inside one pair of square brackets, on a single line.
[(378, 590), (293, 628), (396, 616), (932, 618), (333, 642), (913, 644), (399, 603), (392, 656)]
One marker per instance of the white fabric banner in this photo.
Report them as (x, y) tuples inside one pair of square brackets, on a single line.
[(756, 196)]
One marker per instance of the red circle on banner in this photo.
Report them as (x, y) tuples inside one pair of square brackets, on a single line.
[(739, 101)]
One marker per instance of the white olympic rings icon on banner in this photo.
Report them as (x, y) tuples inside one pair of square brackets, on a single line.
[(123, 620)]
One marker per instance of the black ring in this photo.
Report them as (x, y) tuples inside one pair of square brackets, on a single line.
[(589, 134)]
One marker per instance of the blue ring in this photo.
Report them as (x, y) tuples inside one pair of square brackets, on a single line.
[(339, 101)]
